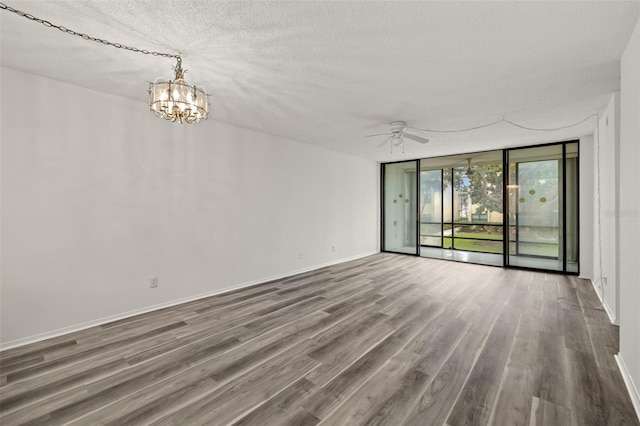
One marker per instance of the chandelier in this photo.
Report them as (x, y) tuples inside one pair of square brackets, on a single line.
[(172, 100), (176, 100)]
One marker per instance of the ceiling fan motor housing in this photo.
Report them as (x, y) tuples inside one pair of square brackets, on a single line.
[(397, 126)]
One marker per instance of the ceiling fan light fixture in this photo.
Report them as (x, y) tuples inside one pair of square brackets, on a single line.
[(177, 100), (469, 171), (398, 135)]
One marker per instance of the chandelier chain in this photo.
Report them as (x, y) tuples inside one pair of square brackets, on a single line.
[(86, 36)]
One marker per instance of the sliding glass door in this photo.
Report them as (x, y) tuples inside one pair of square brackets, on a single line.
[(516, 207), (543, 207), (399, 216)]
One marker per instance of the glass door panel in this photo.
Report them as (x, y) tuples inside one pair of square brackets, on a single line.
[(431, 208), (473, 218), (543, 212), (466, 214), (479, 226), (400, 192), (538, 209)]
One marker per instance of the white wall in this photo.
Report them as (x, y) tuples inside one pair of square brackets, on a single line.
[(629, 216), (98, 196), (607, 149), (586, 206)]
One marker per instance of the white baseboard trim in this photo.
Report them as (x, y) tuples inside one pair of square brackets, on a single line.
[(604, 303), (607, 309), (628, 381), (78, 327)]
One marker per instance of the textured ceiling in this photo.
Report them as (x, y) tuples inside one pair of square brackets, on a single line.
[(329, 73)]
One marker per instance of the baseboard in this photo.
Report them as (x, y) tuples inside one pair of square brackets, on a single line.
[(78, 327), (605, 305), (628, 381)]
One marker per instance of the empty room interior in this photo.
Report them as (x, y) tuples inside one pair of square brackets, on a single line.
[(320, 213)]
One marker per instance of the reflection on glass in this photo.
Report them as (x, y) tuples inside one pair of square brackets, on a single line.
[(538, 209), (447, 186), (400, 194)]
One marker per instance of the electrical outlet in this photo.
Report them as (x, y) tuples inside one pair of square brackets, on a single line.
[(333, 248), (300, 256), (153, 282)]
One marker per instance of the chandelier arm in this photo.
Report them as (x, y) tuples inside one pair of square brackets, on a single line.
[(86, 36)]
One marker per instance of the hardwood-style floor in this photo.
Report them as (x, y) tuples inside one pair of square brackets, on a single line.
[(385, 340)]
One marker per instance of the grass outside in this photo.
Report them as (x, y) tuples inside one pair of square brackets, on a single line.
[(481, 235), (494, 245)]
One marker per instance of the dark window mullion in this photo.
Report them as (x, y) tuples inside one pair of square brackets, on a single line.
[(441, 208), (517, 215), (453, 205), (505, 206), (417, 201), (564, 207), (382, 206)]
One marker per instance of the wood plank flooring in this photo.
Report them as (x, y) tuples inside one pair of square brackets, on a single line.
[(383, 340)]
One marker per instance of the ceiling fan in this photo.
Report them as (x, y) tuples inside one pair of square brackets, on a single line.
[(397, 134), (469, 169)]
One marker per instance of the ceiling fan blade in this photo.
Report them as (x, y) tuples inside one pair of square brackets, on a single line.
[(415, 138), (379, 134), (384, 142), (415, 129)]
